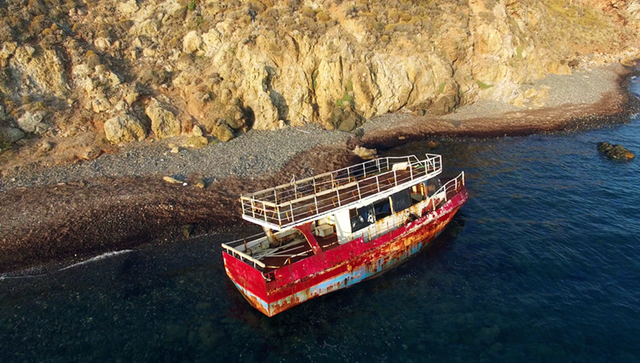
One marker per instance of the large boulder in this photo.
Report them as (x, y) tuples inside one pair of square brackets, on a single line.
[(445, 104), (163, 122), (617, 152), (223, 132), (125, 128), (32, 122), (10, 134), (345, 119)]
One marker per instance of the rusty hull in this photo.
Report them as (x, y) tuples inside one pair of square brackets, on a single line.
[(339, 267)]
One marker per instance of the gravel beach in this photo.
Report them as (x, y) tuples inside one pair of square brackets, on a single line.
[(119, 200)]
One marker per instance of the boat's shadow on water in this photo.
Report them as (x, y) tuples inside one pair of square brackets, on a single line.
[(357, 300)]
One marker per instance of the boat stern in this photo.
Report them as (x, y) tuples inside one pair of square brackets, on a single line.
[(249, 281)]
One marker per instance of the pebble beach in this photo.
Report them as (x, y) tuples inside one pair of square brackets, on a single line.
[(78, 210)]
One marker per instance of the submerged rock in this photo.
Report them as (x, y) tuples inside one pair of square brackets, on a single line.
[(617, 152)]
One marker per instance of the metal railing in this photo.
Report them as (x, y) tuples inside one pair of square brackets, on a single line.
[(432, 203), (243, 249), (299, 201)]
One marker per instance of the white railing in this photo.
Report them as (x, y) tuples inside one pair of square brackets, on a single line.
[(304, 200), (435, 201), (243, 248)]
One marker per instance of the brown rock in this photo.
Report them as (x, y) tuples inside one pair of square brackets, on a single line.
[(445, 104), (196, 142), (364, 153), (89, 153), (124, 128), (172, 180), (163, 122), (223, 132)]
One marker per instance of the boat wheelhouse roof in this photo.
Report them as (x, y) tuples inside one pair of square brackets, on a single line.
[(310, 199)]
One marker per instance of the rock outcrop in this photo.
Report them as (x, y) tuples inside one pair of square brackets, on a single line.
[(163, 122), (617, 152), (267, 65), (125, 128), (10, 134)]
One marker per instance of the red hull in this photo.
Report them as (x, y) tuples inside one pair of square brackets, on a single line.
[(338, 267)]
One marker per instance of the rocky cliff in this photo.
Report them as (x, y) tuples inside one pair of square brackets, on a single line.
[(87, 73)]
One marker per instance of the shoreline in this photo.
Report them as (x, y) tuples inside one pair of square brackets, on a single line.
[(119, 201)]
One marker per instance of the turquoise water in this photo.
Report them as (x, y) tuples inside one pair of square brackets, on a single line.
[(542, 264)]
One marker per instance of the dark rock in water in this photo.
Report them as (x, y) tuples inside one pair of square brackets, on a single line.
[(615, 151), (187, 230)]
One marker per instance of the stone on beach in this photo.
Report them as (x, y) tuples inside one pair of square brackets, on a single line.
[(124, 128), (172, 180), (364, 153), (163, 122), (196, 142)]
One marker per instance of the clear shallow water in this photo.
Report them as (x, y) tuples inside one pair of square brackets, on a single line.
[(542, 264)]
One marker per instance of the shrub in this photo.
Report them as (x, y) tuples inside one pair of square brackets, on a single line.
[(483, 85)]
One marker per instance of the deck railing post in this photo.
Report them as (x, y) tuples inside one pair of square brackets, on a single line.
[(253, 209), (279, 215), (295, 190), (395, 177), (315, 201), (378, 183), (359, 195), (264, 210), (293, 219)]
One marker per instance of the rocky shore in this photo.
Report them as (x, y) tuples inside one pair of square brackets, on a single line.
[(119, 200)]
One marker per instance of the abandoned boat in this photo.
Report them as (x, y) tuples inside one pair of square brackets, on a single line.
[(336, 229)]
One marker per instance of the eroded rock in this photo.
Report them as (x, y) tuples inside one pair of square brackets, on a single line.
[(11, 134), (32, 122), (364, 153), (125, 128), (163, 122), (196, 142), (617, 151), (345, 119)]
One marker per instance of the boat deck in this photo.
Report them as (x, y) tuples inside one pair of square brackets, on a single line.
[(296, 252), (310, 199)]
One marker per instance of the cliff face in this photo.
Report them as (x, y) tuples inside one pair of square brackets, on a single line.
[(227, 66)]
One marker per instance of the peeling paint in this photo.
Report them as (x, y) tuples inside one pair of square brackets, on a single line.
[(341, 266)]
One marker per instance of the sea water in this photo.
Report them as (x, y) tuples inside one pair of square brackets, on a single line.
[(541, 264)]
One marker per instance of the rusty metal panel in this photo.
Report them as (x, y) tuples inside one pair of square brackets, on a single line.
[(341, 266)]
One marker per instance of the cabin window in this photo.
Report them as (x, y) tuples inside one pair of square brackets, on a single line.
[(432, 186), (361, 217), (418, 193), (382, 208), (401, 200)]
